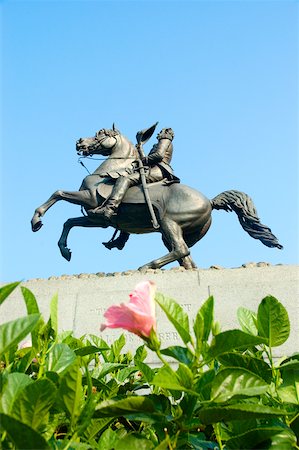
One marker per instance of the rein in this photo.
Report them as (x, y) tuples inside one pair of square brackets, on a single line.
[(103, 159), (100, 159)]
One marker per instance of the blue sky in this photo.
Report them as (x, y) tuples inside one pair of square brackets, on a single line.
[(222, 74)]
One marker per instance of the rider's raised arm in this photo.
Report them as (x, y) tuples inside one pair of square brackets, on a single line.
[(162, 151)]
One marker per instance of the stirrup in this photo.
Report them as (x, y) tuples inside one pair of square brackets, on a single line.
[(106, 212)]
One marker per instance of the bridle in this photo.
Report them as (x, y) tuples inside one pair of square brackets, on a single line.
[(100, 141)]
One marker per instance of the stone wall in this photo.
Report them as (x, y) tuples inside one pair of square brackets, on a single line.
[(84, 298)]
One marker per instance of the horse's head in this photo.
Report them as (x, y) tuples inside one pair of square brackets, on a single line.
[(100, 144)]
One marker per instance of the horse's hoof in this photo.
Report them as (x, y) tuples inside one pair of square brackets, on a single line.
[(36, 224), (66, 253), (144, 268)]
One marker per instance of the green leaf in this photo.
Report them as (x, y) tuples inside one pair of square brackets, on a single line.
[(247, 320), (11, 333), (179, 353), (141, 353), (146, 371), (176, 315), (204, 384), (108, 368), (23, 436), (185, 376), (289, 390), (289, 394), (265, 435), (89, 350), (30, 300), (290, 363), (126, 406), (60, 358), (273, 321), (86, 414), (6, 290), (195, 441), (236, 381), (71, 392), (34, 402), (207, 312), (54, 377), (97, 341), (108, 440), (95, 426), (198, 328), (163, 444), (232, 340), (54, 314), (124, 374), (255, 365), (166, 378), (284, 440), (241, 411), (32, 308), (133, 442), (117, 347), (14, 384)]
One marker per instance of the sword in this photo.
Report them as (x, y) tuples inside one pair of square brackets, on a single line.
[(142, 137)]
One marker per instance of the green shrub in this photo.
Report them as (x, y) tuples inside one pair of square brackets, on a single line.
[(217, 390)]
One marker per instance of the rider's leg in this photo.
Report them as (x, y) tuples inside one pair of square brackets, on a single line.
[(153, 175), (123, 183), (118, 192)]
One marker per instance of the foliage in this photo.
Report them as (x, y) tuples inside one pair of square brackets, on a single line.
[(216, 390)]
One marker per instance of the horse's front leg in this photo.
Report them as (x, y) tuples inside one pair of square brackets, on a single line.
[(68, 225), (84, 198)]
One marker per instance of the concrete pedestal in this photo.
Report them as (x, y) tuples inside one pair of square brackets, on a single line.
[(83, 299)]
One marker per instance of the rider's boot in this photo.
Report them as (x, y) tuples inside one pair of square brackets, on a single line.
[(119, 242), (118, 192)]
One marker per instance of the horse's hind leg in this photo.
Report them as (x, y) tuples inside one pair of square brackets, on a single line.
[(173, 235), (85, 198), (68, 225), (186, 261)]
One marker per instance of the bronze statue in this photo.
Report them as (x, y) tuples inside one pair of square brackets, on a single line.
[(158, 167), (138, 194)]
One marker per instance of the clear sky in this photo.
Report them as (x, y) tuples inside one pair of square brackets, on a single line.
[(222, 74)]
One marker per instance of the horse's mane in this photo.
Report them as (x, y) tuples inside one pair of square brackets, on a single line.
[(111, 133)]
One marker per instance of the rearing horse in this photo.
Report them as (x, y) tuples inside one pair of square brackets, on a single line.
[(184, 214)]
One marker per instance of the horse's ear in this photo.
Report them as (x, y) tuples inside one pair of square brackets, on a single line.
[(113, 127)]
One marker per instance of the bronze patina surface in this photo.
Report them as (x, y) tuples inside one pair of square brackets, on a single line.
[(135, 193)]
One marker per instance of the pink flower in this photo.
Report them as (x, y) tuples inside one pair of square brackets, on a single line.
[(138, 315)]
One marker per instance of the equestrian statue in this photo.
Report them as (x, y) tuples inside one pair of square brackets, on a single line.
[(134, 193)]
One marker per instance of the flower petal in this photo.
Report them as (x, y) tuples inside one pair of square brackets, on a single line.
[(142, 298), (137, 316)]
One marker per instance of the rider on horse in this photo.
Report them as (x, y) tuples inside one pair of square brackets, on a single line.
[(157, 165)]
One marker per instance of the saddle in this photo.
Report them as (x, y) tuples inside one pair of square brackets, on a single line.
[(158, 192)]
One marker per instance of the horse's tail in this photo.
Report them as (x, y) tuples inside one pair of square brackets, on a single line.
[(243, 206)]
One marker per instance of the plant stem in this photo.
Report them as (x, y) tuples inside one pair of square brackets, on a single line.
[(161, 358), (3, 436), (293, 419), (71, 441), (218, 435), (42, 359)]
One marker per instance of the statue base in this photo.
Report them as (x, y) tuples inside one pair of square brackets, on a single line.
[(83, 299)]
